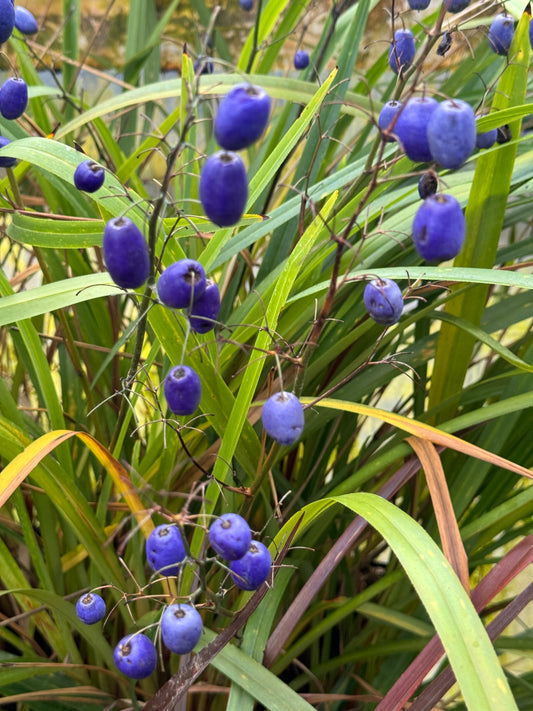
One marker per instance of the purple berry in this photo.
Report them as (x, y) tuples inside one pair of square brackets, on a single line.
[(251, 571), (230, 536), (456, 6), (402, 51), (283, 418), (126, 253), (224, 188), (242, 117), (501, 33), (451, 133), (25, 22), (486, 139), (90, 608), (135, 656), (503, 134), (183, 390), (411, 127), (301, 59), (7, 20), (383, 300), (13, 98), (386, 116), (439, 228), (531, 33), (444, 44), (419, 4), (165, 549), (181, 628), (181, 283), (6, 162), (89, 176), (427, 185), (246, 4), (205, 309)]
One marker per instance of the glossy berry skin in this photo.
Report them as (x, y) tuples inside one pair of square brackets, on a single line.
[(456, 5), (402, 51), (386, 116), (383, 300), (25, 22), (89, 176), (7, 20), (205, 309), (181, 283), (183, 390), (283, 418), (246, 4), (501, 33), (165, 549), (411, 127), (6, 162), (135, 656), (251, 571), (90, 608), (224, 188), (419, 4), (230, 536), (13, 98), (427, 185), (126, 253), (181, 628), (301, 59), (439, 228), (241, 117), (451, 133)]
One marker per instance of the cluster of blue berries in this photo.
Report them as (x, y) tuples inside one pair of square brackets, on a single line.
[(180, 625)]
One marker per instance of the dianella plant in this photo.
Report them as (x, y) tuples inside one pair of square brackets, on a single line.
[(266, 356)]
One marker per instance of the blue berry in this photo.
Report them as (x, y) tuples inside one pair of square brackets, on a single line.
[(241, 117), (411, 127), (181, 283), (251, 571), (230, 536), (486, 139), (25, 22), (181, 628), (501, 33), (246, 4), (451, 133), (419, 4), (183, 390), (456, 6), (165, 549), (135, 656), (383, 300), (402, 51), (203, 66), (439, 228), (13, 98), (89, 176), (386, 116), (6, 162), (90, 608), (125, 253), (503, 134), (224, 188), (7, 20), (283, 418), (427, 185), (301, 59), (444, 44), (205, 309)]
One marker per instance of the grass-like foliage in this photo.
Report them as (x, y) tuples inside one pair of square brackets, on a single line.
[(399, 521)]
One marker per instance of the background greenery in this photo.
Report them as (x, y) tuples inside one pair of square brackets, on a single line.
[(405, 509)]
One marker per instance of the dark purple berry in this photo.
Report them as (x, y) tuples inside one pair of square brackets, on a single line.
[(386, 117), (411, 127), (181, 628), (165, 549), (251, 571), (89, 176), (224, 188), (419, 4), (283, 418), (301, 59), (181, 283), (439, 228), (135, 656), (242, 117), (90, 608), (183, 390), (230, 536), (205, 309), (445, 44), (504, 134), (456, 6), (25, 22), (7, 20), (427, 185), (501, 33), (126, 253), (402, 51), (6, 162), (13, 98), (204, 66), (451, 133), (383, 300), (246, 4), (486, 139)]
